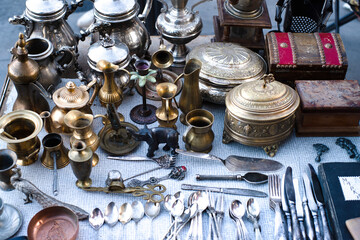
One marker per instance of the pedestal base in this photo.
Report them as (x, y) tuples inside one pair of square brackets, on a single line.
[(179, 52), (138, 115), (82, 184)]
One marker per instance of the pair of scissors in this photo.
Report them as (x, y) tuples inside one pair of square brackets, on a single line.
[(151, 193)]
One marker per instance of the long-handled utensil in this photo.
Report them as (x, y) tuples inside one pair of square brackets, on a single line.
[(250, 177)]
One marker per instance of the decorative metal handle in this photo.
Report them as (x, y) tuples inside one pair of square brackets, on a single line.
[(73, 6), (308, 223), (217, 177), (280, 232), (302, 228), (317, 226), (296, 234), (198, 3), (165, 7), (326, 230), (289, 227), (25, 21), (61, 53), (94, 27), (146, 11)]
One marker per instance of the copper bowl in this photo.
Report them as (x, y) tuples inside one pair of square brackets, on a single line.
[(53, 223)]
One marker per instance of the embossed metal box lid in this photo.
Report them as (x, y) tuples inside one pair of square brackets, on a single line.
[(71, 96), (45, 9), (115, 10), (262, 100), (228, 63)]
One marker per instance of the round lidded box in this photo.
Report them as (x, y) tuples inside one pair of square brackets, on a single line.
[(260, 113)]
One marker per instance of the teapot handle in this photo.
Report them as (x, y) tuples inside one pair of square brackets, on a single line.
[(198, 3), (62, 53), (41, 89), (94, 27), (73, 6), (146, 11), (165, 6)]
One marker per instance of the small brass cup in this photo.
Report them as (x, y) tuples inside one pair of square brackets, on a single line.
[(167, 115), (81, 163), (199, 136), (53, 143), (7, 163)]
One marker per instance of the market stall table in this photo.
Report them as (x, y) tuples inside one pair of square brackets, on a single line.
[(295, 152)]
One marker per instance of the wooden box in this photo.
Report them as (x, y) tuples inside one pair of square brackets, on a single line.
[(328, 108), (306, 56)]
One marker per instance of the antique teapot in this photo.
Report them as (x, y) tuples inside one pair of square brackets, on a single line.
[(66, 99), (47, 19), (120, 19), (179, 26)]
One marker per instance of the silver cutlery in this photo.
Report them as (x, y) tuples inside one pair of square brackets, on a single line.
[(234, 191), (125, 213), (299, 207), (111, 215), (250, 177), (152, 210), (275, 204), (96, 219), (290, 194), (212, 215), (285, 208), (193, 211), (253, 214), (138, 213), (237, 211), (309, 226), (320, 201)]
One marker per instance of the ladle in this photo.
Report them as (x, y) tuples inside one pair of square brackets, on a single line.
[(111, 214), (152, 210), (253, 214), (125, 213), (96, 219)]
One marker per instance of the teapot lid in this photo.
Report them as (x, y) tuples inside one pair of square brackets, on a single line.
[(45, 10), (264, 99), (112, 51), (115, 10), (71, 96)]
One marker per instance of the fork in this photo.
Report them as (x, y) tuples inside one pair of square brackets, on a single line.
[(275, 204), (213, 215)]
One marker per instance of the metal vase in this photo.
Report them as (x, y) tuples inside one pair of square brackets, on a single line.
[(167, 114), (7, 163), (53, 143), (81, 163), (190, 98)]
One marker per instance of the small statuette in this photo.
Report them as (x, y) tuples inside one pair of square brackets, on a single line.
[(349, 147), (320, 149)]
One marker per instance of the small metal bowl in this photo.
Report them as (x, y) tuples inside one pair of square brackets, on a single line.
[(53, 223)]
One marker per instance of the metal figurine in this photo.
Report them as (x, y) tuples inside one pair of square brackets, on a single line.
[(115, 184), (349, 147), (144, 113), (154, 136), (320, 149), (177, 173), (32, 192)]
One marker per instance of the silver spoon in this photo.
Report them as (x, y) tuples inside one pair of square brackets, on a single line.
[(253, 214), (96, 219), (193, 212), (111, 214), (168, 202), (152, 210), (138, 213), (180, 195), (238, 211), (180, 215), (202, 199), (125, 213), (193, 220)]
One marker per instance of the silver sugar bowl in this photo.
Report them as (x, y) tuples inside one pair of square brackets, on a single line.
[(179, 26)]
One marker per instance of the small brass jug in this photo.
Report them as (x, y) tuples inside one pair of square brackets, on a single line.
[(81, 123), (7, 164), (199, 136), (20, 129), (81, 163), (190, 98), (53, 143), (110, 93), (167, 114)]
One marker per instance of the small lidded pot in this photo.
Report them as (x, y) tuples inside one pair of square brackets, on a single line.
[(70, 97), (260, 113)]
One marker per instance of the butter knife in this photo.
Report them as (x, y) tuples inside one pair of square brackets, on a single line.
[(309, 226), (299, 207), (285, 207), (234, 191), (290, 194)]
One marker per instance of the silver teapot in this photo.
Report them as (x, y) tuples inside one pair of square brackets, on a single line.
[(47, 19), (120, 20), (179, 26)]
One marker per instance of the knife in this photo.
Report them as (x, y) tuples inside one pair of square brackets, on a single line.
[(309, 226), (312, 205), (290, 194), (285, 207), (320, 201), (234, 191), (299, 207), (238, 163)]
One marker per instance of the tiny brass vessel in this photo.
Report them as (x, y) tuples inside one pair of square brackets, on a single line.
[(167, 114), (81, 123), (7, 163), (81, 163), (53, 143), (110, 93), (260, 113), (24, 72), (21, 128), (70, 97), (199, 136), (190, 98)]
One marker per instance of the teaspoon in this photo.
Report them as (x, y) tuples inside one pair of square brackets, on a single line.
[(237, 210), (253, 214), (111, 214), (125, 213), (152, 210), (138, 213), (96, 219)]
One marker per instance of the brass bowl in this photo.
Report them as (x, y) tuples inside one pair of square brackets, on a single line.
[(260, 113), (53, 223)]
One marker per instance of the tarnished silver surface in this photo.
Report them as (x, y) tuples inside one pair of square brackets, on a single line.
[(31, 191), (11, 220)]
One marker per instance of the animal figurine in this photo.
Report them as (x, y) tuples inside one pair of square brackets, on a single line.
[(154, 136)]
